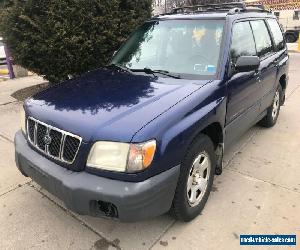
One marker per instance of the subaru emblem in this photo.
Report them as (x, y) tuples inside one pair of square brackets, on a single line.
[(47, 139)]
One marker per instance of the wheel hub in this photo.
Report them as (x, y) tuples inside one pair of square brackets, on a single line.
[(276, 105), (198, 179)]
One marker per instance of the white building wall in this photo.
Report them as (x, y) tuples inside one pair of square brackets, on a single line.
[(286, 10), (286, 18)]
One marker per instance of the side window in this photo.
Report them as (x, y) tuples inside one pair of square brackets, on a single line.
[(242, 43), (296, 15), (277, 14), (277, 34), (262, 38)]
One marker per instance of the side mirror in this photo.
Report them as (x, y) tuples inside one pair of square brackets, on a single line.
[(247, 63)]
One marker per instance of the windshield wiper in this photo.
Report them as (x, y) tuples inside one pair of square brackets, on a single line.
[(159, 71), (118, 66)]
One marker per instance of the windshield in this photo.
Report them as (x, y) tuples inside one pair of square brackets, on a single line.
[(184, 47)]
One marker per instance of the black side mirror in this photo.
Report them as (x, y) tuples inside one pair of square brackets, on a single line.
[(247, 63)]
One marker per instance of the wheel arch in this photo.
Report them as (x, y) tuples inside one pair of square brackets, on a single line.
[(283, 82), (215, 132)]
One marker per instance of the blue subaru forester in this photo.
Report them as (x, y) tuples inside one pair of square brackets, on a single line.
[(147, 133)]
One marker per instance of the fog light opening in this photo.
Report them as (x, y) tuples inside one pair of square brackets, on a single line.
[(108, 209)]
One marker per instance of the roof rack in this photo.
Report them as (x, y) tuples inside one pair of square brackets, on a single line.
[(231, 8), (259, 6)]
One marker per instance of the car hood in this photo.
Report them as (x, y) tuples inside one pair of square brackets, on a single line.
[(108, 105)]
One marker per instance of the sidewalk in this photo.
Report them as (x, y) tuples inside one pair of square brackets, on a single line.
[(258, 193), (293, 47), (10, 86)]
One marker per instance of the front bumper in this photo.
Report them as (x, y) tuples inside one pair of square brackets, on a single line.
[(80, 191)]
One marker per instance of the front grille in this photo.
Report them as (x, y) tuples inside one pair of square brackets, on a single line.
[(31, 129), (52, 141), (71, 144), (41, 132), (54, 147)]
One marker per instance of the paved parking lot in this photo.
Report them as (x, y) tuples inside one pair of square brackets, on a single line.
[(259, 192)]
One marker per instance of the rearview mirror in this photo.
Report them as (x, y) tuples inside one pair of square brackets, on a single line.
[(247, 63)]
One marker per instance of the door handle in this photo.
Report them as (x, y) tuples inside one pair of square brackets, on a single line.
[(257, 76)]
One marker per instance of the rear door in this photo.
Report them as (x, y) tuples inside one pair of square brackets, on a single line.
[(280, 49), (243, 87), (268, 62)]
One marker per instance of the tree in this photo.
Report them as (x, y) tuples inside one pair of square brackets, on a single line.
[(58, 38)]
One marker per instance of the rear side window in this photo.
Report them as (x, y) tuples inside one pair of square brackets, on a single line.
[(262, 38), (242, 43), (277, 34)]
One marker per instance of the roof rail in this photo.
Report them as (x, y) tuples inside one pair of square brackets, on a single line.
[(231, 8), (209, 7)]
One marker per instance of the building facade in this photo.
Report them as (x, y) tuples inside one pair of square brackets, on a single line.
[(287, 11)]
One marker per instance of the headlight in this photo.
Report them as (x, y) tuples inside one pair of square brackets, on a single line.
[(121, 157), (23, 120)]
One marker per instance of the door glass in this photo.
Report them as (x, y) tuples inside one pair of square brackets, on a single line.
[(242, 41), (277, 34), (262, 38)]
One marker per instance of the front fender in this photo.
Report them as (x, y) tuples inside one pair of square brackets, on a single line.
[(175, 129)]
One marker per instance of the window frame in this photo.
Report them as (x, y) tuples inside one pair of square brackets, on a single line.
[(265, 56), (231, 37), (276, 49), (230, 70)]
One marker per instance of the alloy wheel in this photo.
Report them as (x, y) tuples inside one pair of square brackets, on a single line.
[(198, 179), (276, 105)]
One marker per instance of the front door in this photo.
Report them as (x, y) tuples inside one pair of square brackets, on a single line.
[(243, 87)]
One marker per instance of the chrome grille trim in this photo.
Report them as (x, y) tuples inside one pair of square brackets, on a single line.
[(62, 143)]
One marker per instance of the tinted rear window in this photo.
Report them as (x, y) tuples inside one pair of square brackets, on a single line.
[(277, 34), (262, 38)]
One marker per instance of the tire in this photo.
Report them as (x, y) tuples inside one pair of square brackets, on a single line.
[(290, 38), (273, 111), (189, 200)]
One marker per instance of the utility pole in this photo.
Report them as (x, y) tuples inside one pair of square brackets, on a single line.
[(9, 63)]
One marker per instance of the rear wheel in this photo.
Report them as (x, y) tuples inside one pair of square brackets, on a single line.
[(273, 111), (195, 180)]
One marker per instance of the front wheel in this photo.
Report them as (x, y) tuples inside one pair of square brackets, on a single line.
[(195, 180), (273, 111)]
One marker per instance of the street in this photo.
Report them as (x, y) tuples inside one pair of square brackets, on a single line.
[(258, 193)]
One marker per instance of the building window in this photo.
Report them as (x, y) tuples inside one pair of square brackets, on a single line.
[(296, 14), (277, 14)]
